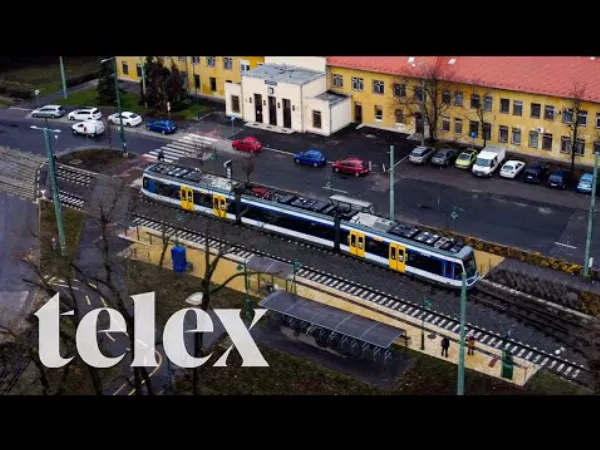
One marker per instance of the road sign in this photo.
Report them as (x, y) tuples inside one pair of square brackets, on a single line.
[(37, 92), (227, 166), (454, 215), (168, 106), (473, 134), (232, 118)]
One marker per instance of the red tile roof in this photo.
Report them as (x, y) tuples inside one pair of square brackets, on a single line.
[(546, 75)]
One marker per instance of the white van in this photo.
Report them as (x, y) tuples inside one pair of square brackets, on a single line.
[(488, 160), (90, 128)]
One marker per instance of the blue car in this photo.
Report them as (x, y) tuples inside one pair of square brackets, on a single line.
[(161, 126), (585, 183), (311, 157)]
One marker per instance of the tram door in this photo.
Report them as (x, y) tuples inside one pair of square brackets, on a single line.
[(357, 243), (397, 257), (220, 205), (187, 198)]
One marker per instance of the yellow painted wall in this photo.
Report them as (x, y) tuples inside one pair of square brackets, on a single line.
[(131, 62)]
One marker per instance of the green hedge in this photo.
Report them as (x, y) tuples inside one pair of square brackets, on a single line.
[(80, 79)]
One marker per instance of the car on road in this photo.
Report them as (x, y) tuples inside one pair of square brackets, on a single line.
[(536, 172), (466, 159), (351, 166), (421, 155), (560, 179), (85, 114), (585, 183), (161, 126), (444, 157), (88, 128), (247, 144), (53, 111), (512, 169), (311, 157), (130, 119)]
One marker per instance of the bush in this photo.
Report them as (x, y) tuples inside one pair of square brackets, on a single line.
[(80, 79)]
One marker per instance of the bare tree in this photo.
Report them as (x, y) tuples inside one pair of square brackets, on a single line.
[(479, 107), (248, 166), (431, 96), (573, 116)]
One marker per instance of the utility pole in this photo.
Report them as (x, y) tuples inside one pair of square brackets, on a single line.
[(425, 303), (118, 94), (460, 388), (590, 227), (55, 192), (423, 108), (143, 67), (63, 77), (392, 209)]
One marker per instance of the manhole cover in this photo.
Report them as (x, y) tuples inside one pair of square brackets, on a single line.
[(75, 162)]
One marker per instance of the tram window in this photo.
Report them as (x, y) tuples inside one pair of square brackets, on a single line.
[(145, 181), (427, 263), (377, 248)]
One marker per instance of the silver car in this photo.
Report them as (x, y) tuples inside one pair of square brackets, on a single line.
[(421, 154), (53, 111)]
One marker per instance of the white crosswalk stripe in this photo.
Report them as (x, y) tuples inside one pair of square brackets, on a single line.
[(189, 145)]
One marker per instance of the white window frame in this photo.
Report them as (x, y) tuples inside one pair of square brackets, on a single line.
[(227, 63), (502, 128), (211, 61), (582, 118), (244, 65), (515, 104), (446, 121), (358, 84), (456, 122), (337, 80), (378, 113), (378, 87), (537, 139), (517, 132)]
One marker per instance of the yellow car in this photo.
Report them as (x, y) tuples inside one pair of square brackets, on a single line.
[(466, 159)]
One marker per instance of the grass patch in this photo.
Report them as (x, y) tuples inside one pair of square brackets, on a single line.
[(5, 102), (95, 159), (191, 112)]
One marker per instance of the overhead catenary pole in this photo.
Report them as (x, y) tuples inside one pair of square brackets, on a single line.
[(590, 227), (143, 67), (118, 95), (392, 171), (460, 385), (63, 77)]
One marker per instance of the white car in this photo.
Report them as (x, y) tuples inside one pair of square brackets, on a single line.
[(512, 168), (85, 114), (129, 119), (89, 128)]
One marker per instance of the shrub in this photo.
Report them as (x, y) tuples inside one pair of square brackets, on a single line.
[(80, 79)]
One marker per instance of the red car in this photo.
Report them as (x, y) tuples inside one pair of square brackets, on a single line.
[(352, 166), (247, 144)]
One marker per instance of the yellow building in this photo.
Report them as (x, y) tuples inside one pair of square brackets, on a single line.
[(526, 104), (206, 75)]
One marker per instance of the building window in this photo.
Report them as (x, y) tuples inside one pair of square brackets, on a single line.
[(473, 129), (227, 63), (504, 105), (579, 147), (487, 131), (458, 98), (517, 108), (378, 87), (458, 126), (582, 118), (399, 90), (138, 70), (195, 59), (399, 114), (213, 84), (516, 136), (597, 120), (211, 61), (337, 80), (502, 133), (565, 144), (549, 112), (418, 93), (235, 104), (378, 112), (316, 117), (184, 78), (536, 110), (196, 81), (244, 65), (182, 58), (228, 81), (597, 147), (547, 141), (488, 102), (445, 123), (475, 101), (125, 67), (567, 115), (358, 84), (446, 97), (533, 139)]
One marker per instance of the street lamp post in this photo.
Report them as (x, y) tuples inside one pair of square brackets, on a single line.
[(63, 77), (143, 67), (297, 265), (425, 303), (590, 228), (55, 192), (37, 98), (118, 94), (460, 388)]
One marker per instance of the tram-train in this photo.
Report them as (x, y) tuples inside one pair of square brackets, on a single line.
[(339, 226)]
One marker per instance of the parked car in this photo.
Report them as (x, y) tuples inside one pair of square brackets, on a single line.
[(247, 144), (311, 157), (444, 157), (560, 179), (352, 166), (488, 160), (536, 172), (54, 111), (161, 126), (585, 183), (89, 128), (466, 159), (421, 155), (85, 114), (130, 119), (512, 168)]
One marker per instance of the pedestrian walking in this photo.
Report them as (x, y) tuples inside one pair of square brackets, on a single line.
[(161, 155), (471, 344), (54, 243), (445, 346)]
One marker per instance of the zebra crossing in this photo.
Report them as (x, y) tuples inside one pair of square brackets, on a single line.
[(190, 145)]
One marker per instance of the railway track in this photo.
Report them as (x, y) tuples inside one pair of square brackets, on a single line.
[(16, 360), (563, 367)]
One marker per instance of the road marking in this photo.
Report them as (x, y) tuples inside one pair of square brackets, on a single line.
[(87, 299), (104, 302), (402, 159), (151, 373), (110, 336), (336, 190), (565, 245)]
